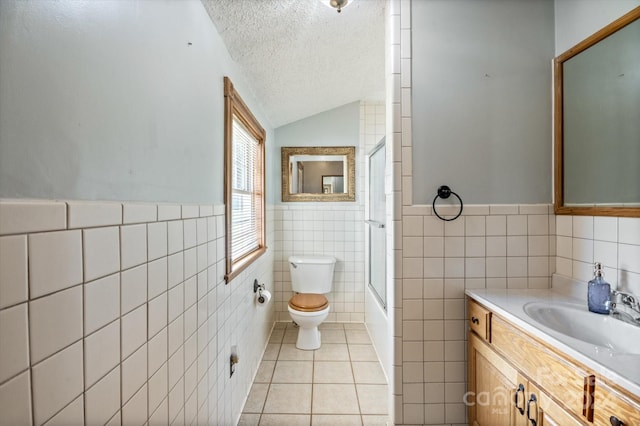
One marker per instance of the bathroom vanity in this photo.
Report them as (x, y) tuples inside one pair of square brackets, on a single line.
[(525, 368)]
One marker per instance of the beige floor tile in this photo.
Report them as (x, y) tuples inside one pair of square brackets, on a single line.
[(249, 419), (265, 372), (290, 336), (271, 352), (375, 420), (256, 398), (293, 372), (276, 336), (354, 326), (369, 372), (332, 372), (358, 337), (285, 420), (333, 336), (335, 399), (332, 352), (373, 399), (335, 419), (289, 398), (331, 326), (280, 325), (362, 353), (289, 352)]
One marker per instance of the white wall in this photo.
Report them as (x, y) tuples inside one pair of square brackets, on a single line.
[(113, 100), (576, 20), (481, 88)]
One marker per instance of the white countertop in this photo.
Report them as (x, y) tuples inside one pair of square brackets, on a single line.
[(622, 369)]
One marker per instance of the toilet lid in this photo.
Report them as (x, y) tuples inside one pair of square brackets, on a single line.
[(308, 302)]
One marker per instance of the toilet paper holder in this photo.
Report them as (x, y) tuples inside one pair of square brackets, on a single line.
[(257, 286)]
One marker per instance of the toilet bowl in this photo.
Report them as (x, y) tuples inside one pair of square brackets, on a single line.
[(311, 279)]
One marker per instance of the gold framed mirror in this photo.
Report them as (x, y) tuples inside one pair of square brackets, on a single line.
[(319, 173), (596, 125)]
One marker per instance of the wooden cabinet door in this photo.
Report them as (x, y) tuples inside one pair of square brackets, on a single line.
[(492, 387)]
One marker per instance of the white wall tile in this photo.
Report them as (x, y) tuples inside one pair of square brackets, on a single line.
[(629, 230), (190, 233), (101, 352), (101, 252), (156, 240), (19, 217), (605, 228), (87, 214), (496, 225), (176, 334), (157, 348), (15, 401), (133, 288), (139, 213), (157, 314), (13, 270), (169, 211), (157, 277), (102, 302), (134, 412), (175, 269), (55, 261), (48, 396), (134, 373), (134, 330), (133, 245), (496, 246), (175, 234), (583, 227), (516, 225), (606, 253), (55, 322), (158, 389), (629, 258), (190, 262), (72, 414), (102, 401), (14, 335), (176, 302)]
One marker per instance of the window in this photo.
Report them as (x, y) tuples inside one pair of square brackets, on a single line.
[(243, 184)]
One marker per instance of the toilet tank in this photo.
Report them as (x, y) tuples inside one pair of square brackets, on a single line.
[(312, 274)]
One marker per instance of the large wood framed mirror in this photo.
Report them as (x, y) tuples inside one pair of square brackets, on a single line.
[(597, 123), (318, 173)]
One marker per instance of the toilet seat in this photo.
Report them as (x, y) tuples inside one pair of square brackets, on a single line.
[(308, 302)]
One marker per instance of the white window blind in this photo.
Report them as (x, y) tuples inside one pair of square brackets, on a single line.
[(246, 191)]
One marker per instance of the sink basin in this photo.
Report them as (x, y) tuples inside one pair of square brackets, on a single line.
[(577, 322)]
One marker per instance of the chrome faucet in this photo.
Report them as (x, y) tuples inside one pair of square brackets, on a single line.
[(630, 303)]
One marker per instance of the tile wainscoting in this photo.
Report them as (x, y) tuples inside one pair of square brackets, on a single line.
[(117, 313)]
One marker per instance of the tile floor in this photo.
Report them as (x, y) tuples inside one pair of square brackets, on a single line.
[(342, 383)]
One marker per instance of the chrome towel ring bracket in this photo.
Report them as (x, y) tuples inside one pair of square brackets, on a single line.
[(445, 192)]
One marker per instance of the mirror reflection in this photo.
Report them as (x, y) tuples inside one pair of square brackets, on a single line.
[(318, 174), (597, 127)]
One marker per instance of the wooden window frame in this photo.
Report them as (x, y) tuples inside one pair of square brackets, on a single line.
[(234, 106)]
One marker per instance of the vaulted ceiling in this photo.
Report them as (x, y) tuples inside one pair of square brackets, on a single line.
[(302, 57)]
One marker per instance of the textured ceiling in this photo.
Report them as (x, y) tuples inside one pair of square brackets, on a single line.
[(302, 57)]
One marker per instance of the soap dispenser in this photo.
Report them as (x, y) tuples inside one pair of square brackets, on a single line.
[(599, 292)]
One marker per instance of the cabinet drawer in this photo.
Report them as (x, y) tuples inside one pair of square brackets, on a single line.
[(609, 402), (562, 380), (480, 320)]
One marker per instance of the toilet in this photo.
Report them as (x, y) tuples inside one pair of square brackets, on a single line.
[(311, 279)]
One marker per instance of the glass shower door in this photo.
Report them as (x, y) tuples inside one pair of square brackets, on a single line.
[(376, 222)]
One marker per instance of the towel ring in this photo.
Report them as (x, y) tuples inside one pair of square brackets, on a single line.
[(445, 192)]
